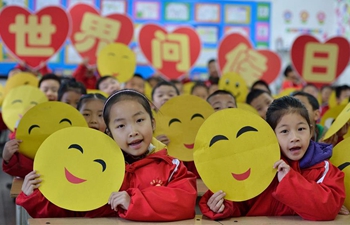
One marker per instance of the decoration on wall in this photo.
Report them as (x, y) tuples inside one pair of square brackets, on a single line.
[(321, 17), (304, 16), (287, 15)]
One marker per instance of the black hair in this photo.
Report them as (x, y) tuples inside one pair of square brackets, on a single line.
[(89, 97), (164, 83), (287, 70), (101, 79), (174, 81), (310, 98), (199, 84), (139, 76), (157, 79), (125, 94), (285, 105), (221, 92), (340, 89), (211, 61), (262, 82), (50, 76), (71, 85), (213, 80), (253, 94), (309, 85)]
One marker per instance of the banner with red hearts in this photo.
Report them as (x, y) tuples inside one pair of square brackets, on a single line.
[(236, 54), (320, 63), (172, 54), (33, 38), (91, 31)]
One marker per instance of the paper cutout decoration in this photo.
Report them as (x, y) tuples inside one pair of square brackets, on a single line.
[(34, 38), (172, 54), (235, 84), (148, 90), (116, 60), (21, 78), (80, 167), (187, 87), (18, 101), (2, 93), (341, 159), (329, 116), (236, 54), (236, 154), (320, 63), (95, 91), (179, 119), (33, 129), (248, 107), (91, 32), (339, 122)]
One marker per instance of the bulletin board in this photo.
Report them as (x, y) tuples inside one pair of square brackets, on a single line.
[(211, 19)]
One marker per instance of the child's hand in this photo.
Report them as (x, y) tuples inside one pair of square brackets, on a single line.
[(163, 138), (30, 183), (216, 202), (10, 148), (282, 169), (333, 140), (344, 211), (121, 199)]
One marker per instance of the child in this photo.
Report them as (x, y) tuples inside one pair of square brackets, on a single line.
[(222, 99), (342, 92), (179, 85), (292, 80), (311, 89), (49, 84), (200, 90), (91, 107), (262, 85), (70, 92), (162, 92), (136, 83), (307, 184), (86, 74), (108, 84), (260, 100)]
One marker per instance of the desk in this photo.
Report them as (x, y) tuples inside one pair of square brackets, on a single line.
[(21, 214), (201, 188), (16, 187)]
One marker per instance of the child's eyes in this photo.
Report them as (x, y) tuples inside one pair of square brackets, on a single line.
[(86, 114), (284, 131), (301, 128), (140, 120), (120, 126), (100, 115)]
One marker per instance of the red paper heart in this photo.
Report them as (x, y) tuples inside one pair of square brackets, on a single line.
[(298, 56), (24, 42), (90, 29), (233, 40), (179, 56)]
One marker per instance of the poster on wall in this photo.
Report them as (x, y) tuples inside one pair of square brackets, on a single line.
[(177, 11), (113, 6), (146, 10), (207, 12)]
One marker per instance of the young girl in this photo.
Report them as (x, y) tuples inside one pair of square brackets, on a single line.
[(307, 184), (70, 92), (156, 186), (91, 107)]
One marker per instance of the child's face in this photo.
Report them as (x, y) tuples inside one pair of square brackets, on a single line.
[(180, 87), (137, 84), (162, 94), (50, 89), (71, 98), (313, 114), (325, 94), (92, 110), (222, 101), (109, 85), (201, 92), (312, 91), (213, 88), (345, 94), (261, 87), (131, 127), (262, 103), (293, 134)]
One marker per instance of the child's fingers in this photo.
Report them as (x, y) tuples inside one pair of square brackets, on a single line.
[(218, 205), (214, 197), (221, 208)]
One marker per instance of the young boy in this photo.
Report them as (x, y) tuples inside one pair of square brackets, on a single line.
[(222, 99), (162, 92), (260, 100), (292, 80), (108, 84), (200, 90), (311, 89), (49, 84), (136, 83), (342, 92)]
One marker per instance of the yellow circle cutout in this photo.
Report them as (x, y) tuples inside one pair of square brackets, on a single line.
[(179, 119), (80, 167), (330, 115), (2, 93), (21, 78), (95, 91), (43, 120), (235, 151), (235, 84), (116, 60), (187, 87), (18, 101), (248, 107), (339, 122), (285, 92)]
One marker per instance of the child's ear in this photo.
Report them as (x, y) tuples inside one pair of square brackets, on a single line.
[(153, 124), (317, 114), (108, 133)]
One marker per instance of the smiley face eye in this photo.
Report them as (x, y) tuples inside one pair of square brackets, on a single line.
[(227, 81), (32, 127), (76, 146), (245, 129), (344, 165), (237, 85), (103, 164), (217, 138), (197, 115), (111, 54), (174, 120), (16, 101), (66, 120)]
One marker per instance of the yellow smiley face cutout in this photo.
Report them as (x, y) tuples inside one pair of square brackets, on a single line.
[(179, 119), (339, 122), (21, 78), (246, 106), (116, 60), (43, 120), (2, 94), (235, 84), (341, 159), (235, 151), (329, 117), (18, 101), (80, 167)]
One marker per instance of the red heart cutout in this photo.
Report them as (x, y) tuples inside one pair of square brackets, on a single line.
[(319, 63), (91, 32), (36, 42), (172, 54), (236, 54)]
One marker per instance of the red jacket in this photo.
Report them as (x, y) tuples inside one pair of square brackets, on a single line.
[(80, 75), (314, 193), (18, 166), (160, 187)]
